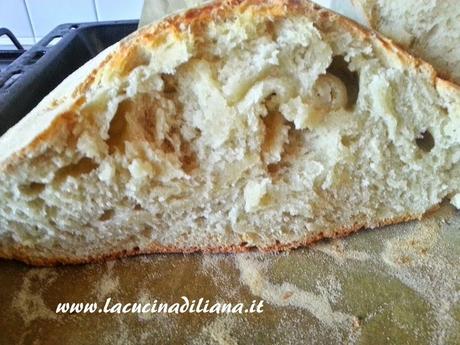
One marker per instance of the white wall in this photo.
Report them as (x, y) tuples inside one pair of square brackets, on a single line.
[(30, 20)]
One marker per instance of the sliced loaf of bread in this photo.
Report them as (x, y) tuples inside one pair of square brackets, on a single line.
[(430, 29), (242, 124)]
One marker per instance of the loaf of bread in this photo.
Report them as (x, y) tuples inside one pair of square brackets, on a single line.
[(242, 124), (430, 29)]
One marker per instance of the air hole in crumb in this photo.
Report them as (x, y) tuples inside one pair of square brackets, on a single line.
[(275, 126), (290, 151), (32, 189), (169, 83), (118, 130), (347, 140), (83, 167), (107, 215), (270, 29), (138, 207), (188, 157), (339, 67), (136, 249), (200, 221), (189, 162), (425, 141), (147, 232), (243, 244), (275, 168), (167, 146)]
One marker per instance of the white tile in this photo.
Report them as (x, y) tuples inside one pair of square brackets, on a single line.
[(5, 42), (13, 16), (346, 8), (118, 9), (324, 3), (47, 14)]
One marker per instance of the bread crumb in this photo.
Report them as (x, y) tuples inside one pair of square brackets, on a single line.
[(106, 172), (254, 193), (140, 169)]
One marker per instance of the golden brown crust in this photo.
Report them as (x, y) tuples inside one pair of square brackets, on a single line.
[(22, 254)]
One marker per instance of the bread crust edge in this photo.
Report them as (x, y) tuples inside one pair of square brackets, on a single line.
[(21, 253)]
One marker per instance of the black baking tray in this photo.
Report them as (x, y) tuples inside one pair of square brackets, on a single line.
[(8, 56), (36, 72)]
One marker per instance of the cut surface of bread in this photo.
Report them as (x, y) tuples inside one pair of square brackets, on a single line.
[(238, 125), (430, 29)]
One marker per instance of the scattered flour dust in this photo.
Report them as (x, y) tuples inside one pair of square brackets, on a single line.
[(416, 261), (288, 294), (337, 250), (108, 284), (219, 331), (119, 335), (330, 288), (162, 322), (28, 301), (218, 267), (150, 326)]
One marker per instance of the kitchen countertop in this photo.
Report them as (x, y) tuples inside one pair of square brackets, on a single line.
[(395, 285)]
